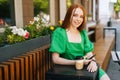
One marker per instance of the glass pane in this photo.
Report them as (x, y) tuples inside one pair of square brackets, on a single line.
[(41, 7), (5, 12)]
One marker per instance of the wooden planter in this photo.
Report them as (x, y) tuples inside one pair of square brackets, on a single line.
[(9, 51)]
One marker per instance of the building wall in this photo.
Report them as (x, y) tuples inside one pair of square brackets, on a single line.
[(18, 13), (103, 11), (28, 11), (53, 11), (23, 12), (106, 11), (62, 8), (111, 10)]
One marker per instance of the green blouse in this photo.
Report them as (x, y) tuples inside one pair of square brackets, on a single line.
[(70, 50)]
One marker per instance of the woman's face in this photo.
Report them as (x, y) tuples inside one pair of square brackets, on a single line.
[(77, 18)]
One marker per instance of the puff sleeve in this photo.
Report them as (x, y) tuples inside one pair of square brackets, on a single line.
[(88, 45), (58, 41)]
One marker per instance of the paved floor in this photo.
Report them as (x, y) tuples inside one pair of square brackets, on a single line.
[(113, 69)]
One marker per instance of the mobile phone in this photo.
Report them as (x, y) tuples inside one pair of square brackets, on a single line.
[(92, 57)]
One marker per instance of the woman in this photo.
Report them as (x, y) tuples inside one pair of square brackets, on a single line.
[(71, 40)]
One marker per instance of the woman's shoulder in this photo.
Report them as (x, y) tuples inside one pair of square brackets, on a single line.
[(84, 31), (59, 33), (59, 30)]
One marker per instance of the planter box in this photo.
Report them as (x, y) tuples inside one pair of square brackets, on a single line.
[(10, 51)]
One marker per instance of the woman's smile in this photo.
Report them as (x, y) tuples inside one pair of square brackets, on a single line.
[(77, 18), (77, 22)]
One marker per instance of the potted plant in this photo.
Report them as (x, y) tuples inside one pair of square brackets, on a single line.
[(16, 41)]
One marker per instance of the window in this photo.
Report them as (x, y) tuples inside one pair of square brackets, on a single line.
[(7, 11), (41, 7)]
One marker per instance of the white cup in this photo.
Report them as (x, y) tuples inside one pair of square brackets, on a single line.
[(79, 64)]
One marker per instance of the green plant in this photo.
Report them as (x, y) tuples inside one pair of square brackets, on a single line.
[(41, 6), (36, 28), (5, 8)]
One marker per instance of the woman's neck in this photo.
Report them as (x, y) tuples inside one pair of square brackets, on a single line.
[(73, 35), (73, 30)]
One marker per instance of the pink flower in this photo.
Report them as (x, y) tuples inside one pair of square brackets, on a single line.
[(26, 35)]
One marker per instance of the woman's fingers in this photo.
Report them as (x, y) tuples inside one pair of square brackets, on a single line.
[(92, 67)]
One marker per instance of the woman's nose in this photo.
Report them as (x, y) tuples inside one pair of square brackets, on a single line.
[(78, 18)]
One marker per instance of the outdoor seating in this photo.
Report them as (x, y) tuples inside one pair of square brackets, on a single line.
[(40, 61), (116, 56)]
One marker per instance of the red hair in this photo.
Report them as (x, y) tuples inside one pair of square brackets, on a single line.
[(68, 16)]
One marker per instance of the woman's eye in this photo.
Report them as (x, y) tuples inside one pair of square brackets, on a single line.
[(75, 15), (81, 16)]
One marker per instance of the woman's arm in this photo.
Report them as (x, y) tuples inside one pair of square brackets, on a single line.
[(88, 55), (92, 66), (59, 60)]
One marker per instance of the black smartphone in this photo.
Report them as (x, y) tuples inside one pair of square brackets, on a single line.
[(92, 57)]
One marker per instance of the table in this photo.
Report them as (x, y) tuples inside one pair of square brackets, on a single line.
[(62, 72), (115, 54), (111, 28)]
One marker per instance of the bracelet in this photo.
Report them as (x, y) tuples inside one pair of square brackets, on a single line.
[(96, 62), (93, 60)]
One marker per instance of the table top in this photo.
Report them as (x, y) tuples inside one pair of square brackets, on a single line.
[(62, 71), (110, 27)]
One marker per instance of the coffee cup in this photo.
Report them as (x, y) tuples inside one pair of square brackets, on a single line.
[(79, 64)]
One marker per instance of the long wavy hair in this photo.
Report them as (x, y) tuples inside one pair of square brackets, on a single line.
[(69, 15)]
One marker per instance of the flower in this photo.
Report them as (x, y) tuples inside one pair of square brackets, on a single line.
[(26, 35), (52, 28), (60, 22), (20, 32), (36, 28), (14, 35)]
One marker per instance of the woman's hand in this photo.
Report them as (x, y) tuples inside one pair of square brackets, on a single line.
[(92, 67), (86, 61)]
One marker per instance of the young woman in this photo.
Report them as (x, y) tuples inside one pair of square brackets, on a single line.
[(71, 40)]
